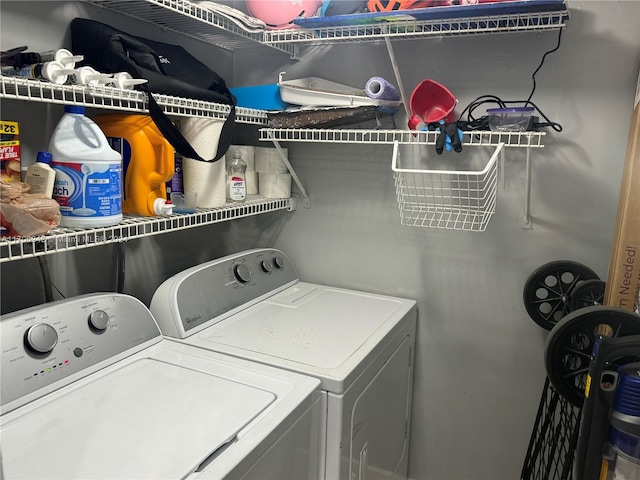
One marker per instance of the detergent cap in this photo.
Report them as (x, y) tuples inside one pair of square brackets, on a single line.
[(76, 109), (162, 206)]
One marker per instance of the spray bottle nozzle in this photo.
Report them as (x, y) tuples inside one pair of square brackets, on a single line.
[(72, 60), (124, 80)]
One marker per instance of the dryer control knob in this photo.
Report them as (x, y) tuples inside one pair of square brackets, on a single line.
[(99, 320), (278, 261), (242, 273), (266, 265), (41, 338)]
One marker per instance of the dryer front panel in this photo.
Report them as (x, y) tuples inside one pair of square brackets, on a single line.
[(370, 424)]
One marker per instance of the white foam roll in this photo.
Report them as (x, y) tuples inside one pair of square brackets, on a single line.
[(275, 185), (247, 152), (268, 160), (251, 180), (207, 179)]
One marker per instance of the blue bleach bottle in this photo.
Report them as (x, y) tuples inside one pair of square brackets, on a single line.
[(88, 184)]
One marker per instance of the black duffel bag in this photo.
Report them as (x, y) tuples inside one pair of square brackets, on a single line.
[(169, 69)]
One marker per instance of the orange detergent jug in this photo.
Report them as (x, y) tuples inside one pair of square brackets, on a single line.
[(147, 161)]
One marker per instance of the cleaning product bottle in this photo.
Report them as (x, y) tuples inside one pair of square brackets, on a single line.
[(83, 76), (88, 183), (53, 72), (147, 158), (40, 176), (236, 184)]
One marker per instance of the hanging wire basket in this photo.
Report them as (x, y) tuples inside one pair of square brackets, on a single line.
[(447, 199)]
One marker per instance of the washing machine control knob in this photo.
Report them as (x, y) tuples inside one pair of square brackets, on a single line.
[(278, 261), (242, 273), (41, 338), (266, 265), (99, 320)]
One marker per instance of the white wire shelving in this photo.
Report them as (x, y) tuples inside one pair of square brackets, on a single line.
[(195, 20), (117, 99), (389, 137), (114, 99), (66, 239), (415, 29), (415, 208)]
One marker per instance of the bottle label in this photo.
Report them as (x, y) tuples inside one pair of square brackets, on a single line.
[(88, 189), (37, 182), (29, 71), (176, 184), (123, 147), (237, 190)]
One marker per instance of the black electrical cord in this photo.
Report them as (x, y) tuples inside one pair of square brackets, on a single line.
[(533, 76), (121, 264), (57, 290), (482, 123), (46, 279)]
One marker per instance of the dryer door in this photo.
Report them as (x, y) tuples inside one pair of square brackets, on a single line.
[(380, 420)]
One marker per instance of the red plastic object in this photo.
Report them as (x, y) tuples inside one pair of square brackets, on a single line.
[(431, 102)]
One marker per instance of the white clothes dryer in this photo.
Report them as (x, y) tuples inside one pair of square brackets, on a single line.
[(91, 390), (360, 346)]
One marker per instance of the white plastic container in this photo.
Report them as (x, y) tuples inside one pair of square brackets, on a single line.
[(509, 119), (88, 183), (40, 176)]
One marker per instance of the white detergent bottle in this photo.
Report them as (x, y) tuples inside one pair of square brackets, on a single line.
[(88, 183), (40, 176)]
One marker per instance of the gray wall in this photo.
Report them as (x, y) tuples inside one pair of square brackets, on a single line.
[(479, 358)]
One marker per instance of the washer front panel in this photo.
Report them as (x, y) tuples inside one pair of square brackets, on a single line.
[(80, 347)]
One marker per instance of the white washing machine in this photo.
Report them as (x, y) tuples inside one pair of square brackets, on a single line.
[(361, 346), (91, 390)]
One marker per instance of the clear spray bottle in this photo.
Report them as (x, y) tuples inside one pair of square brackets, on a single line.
[(236, 182)]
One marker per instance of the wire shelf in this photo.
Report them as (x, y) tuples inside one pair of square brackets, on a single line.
[(413, 29), (189, 18), (389, 137), (447, 199), (119, 99), (132, 227)]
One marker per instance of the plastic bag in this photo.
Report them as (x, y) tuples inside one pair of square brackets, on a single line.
[(26, 214)]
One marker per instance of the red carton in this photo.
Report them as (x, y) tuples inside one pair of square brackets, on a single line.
[(9, 151)]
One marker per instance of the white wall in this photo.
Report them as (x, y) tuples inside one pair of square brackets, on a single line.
[(479, 358)]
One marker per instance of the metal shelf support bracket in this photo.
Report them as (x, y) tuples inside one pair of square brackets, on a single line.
[(307, 201), (525, 220)]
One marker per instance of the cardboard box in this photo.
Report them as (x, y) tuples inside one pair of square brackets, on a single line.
[(623, 282), (10, 151)]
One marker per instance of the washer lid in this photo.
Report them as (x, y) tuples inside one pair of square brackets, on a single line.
[(149, 419), (321, 331)]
